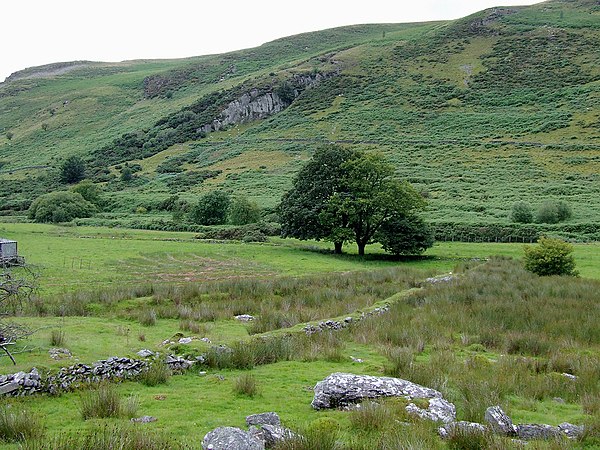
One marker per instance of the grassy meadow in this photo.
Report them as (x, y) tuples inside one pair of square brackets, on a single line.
[(496, 335)]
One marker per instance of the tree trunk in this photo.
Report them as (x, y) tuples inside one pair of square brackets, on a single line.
[(361, 248), (337, 248)]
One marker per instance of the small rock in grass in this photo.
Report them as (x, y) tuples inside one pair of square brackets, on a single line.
[(144, 419)]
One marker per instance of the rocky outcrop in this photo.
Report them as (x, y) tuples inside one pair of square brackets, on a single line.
[(231, 438), (259, 104), (343, 389)]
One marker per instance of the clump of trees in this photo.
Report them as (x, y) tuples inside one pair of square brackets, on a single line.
[(343, 194), (219, 208), (550, 257), (551, 211), (60, 206)]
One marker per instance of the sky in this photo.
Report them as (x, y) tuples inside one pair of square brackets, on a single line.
[(37, 32)]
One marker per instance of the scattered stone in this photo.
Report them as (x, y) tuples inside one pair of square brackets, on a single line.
[(185, 340), (439, 410), (441, 279), (449, 429), (9, 387), (357, 360), (267, 418), (205, 339), (570, 376), (144, 419), (202, 373), (245, 318), (178, 363), (160, 397), (529, 431), (341, 389), (558, 400), (59, 353), (572, 431), (231, 438), (145, 353), (500, 422)]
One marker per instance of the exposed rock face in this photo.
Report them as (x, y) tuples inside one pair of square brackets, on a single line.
[(259, 104), (499, 422), (529, 431), (268, 418), (342, 389), (231, 438), (439, 410)]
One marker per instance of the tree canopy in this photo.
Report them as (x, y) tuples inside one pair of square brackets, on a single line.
[(60, 206), (342, 195), (72, 170)]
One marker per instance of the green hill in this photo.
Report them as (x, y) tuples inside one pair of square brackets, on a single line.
[(478, 113)]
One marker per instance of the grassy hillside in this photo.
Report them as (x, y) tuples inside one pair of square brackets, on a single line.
[(478, 113)]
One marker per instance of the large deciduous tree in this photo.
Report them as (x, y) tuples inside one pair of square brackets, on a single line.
[(343, 195), (301, 207)]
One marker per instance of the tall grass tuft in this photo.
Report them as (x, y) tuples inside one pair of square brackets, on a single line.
[(108, 437), (147, 317), (57, 338), (18, 425), (157, 373), (247, 385), (105, 402)]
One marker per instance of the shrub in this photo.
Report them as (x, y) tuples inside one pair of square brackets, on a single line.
[(550, 257), (211, 209), (89, 191), (246, 384), (243, 211), (105, 402), (157, 373), (521, 213), (553, 211), (18, 425), (60, 206)]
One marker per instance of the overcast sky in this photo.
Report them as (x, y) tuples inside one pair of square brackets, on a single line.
[(36, 32)]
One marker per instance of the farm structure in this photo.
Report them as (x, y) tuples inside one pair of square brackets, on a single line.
[(9, 253)]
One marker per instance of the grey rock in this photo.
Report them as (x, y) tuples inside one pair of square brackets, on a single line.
[(570, 376), (274, 434), (185, 340), (145, 353), (499, 422), (9, 387), (572, 431), (144, 419), (449, 429), (528, 431), (439, 410), (244, 317), (342, 389), (267, 418), (230, 438)]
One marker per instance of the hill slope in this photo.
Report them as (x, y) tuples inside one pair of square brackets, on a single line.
[(478, 113)]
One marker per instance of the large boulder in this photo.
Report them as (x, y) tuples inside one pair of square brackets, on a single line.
[(570, 430), (231, 438), (499, 421), (343, 389)]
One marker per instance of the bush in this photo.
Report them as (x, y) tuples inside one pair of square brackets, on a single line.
[(61, 206), (550, 257), (553, 211), (18, 425), (521, 213), (243, 211), (211, 209), (147, 317), (89, 191)]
